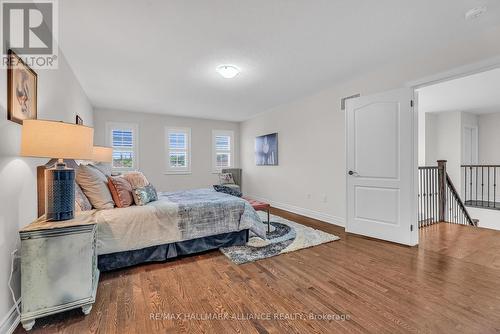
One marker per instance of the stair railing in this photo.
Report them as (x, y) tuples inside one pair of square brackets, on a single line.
[(457, 212), (480, 186), (438, 199)]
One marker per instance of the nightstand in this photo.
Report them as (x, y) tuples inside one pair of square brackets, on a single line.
[(58, 267)]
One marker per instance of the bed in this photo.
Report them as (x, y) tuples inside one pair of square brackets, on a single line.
[(179, 223)]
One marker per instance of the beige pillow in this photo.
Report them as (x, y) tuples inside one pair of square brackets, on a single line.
[(95, 186), (136, 179)]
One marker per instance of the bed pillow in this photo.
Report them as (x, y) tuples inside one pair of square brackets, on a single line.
[(228, 190), (81, 201), (121, 191), (144, 195), (136, 179), (226, 178), (95, 186), (104, 168)]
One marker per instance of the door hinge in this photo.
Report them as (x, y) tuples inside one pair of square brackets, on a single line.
[(411, 103), (411, 228)]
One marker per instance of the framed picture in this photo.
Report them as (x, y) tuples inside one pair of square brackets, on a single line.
[(266, 150), (79, 120), (21, 90)]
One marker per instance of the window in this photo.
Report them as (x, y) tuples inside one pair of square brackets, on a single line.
[(223, 149), (178, 144), (123, 139)]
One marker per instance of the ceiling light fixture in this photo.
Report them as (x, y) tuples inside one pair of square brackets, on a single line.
[(228, 71), (476, 12)]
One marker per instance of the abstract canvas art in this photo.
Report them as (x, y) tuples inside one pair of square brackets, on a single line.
[(21, 90), (266, 150)]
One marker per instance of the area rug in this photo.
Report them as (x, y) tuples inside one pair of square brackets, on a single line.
[(285, 236)]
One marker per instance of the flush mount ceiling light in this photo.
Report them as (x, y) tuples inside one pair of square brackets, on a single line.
[(476, 12), (228, 71)]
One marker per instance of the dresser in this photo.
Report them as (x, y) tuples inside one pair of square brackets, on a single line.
[(58, 267)]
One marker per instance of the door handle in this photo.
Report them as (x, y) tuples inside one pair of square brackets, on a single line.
[(353, 173)]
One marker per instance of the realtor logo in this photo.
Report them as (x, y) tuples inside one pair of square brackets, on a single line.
[(29, 28)]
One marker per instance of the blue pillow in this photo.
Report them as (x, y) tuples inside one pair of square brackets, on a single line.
[(227, 190), (144, 195)]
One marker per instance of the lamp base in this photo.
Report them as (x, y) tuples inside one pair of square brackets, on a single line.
[(59, 193)]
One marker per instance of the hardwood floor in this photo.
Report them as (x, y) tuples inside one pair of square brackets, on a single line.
[(449, 284)]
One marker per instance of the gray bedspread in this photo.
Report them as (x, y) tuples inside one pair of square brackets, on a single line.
[(203, 211), (176, 216)]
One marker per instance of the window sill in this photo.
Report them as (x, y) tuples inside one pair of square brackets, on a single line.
[(180, 172)]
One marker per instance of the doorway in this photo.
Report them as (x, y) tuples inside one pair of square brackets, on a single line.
[(374, 205)]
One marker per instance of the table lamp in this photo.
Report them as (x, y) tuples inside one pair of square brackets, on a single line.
[(102, 154), (58, 140)]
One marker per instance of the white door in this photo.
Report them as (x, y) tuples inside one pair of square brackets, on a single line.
[(469, 145), (382, 167)]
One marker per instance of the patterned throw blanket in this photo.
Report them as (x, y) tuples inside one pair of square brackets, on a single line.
[(175, 216), (205, 210)]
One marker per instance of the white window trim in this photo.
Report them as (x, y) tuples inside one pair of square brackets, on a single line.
[(232, 159), (182, 170), (135, 138)]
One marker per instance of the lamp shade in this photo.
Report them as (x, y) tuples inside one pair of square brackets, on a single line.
[(102, 154), (49, 139)]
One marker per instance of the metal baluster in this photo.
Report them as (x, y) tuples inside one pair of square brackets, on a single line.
[(427, 197), (476, 183), (436, 196), (494, 187), (418, 198), (436, 190), (471, 177), (488, 186), (450, 210), (454, 210), (432, 195), (421, 198), (465, 184), (482, 186)]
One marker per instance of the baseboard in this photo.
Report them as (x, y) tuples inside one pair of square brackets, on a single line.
[(11, 320), (303, 211)]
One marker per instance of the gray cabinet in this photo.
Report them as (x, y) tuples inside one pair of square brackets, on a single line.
[(58, 268)]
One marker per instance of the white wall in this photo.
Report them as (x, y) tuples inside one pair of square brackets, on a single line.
[(487, 218), (152, 146), (489, 153), (489, 138), (421, 137), (60, 97), (443, 142), (311, 136)]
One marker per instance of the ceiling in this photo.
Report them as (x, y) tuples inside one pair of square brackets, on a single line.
[(160, 56), (478, 94)]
